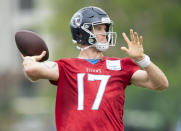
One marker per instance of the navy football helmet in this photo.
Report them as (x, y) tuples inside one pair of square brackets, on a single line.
[(82, 28)]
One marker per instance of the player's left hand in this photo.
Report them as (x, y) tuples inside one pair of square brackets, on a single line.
[(135, 48)]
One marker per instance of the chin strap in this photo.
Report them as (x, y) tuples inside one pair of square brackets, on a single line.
[(82, 49), (99, 46)]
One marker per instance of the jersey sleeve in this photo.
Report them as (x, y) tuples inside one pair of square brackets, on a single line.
[(60, 65), (130, 67)]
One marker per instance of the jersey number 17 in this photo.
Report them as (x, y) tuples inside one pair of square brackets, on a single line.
[(80, 84)]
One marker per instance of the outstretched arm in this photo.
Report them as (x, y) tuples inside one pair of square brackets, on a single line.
[(151, 76), (35, 70)]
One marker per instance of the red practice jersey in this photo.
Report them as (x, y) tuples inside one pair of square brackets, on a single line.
[(90, 97)]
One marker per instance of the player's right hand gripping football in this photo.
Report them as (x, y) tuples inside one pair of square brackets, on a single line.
[(35, 70), (31, 59), (31, 62)]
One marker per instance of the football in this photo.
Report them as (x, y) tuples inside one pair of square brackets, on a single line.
[(30, 44)]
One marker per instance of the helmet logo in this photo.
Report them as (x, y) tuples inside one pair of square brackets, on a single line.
[(77, 20)]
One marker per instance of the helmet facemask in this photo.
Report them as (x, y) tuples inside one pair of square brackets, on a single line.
[(93, 41)]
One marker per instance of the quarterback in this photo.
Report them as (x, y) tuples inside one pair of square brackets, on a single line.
[(91, 87)]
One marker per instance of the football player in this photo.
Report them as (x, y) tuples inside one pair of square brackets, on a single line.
[(91, 87)]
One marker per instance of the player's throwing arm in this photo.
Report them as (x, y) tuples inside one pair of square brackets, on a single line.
[(34, 69)]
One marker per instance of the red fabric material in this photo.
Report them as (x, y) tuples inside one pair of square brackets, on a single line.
[(109, 115)]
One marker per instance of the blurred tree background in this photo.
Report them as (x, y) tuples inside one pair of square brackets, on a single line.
[(159, 21)]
